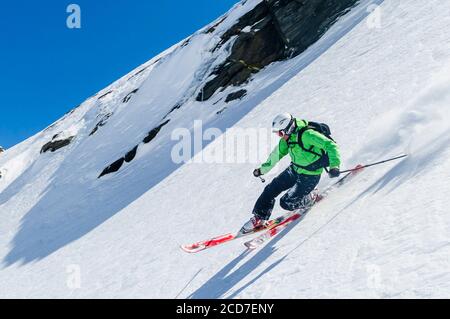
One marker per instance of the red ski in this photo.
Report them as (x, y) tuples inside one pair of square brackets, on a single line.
[(205, 244), (258, 241)]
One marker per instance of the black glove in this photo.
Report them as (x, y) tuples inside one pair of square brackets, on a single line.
[(257, 172), (334, 172)]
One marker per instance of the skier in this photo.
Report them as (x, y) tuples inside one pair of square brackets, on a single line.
[(311, 151)]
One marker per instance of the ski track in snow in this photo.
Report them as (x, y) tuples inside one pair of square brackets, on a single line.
[(384, 91)]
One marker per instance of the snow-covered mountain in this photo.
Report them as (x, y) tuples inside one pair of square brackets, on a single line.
[(96, 205)]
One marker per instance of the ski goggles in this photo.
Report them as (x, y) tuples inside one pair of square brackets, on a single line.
[(286, 132)]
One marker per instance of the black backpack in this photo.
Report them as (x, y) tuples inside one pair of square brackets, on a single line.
[(323, 161)]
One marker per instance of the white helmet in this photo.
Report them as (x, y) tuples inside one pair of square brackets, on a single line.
[(283, 122)]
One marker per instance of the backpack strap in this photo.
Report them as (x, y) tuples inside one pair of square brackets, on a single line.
[(323, 160), (300, 141)]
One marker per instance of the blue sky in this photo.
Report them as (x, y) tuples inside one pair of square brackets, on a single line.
[(47, 68)]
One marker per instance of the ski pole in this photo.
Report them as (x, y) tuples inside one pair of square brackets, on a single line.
[(262, 179), (373, 164)]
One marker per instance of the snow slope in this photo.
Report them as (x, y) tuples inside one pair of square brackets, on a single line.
[(383, 85)]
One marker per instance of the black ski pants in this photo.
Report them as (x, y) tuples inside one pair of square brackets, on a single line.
[(297, 186)]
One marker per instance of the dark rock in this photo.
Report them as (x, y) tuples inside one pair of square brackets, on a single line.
[(127, 98), (131, 154), (217, 101), (71, 111), (51, 126), (279, 29), (176, 107), (221, 111), (235, 95), (250, 52), (232, 73), (95, 129), (303, 22), (259, 48), (143, 69), (56, 145), (137, 73), (185, 43), (114, 167), (152, 134), (213, 28), (2, 149), (102, 122), (249, 19), (104, 95)]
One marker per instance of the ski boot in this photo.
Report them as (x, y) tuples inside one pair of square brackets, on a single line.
[(309, 200), (254, 224)]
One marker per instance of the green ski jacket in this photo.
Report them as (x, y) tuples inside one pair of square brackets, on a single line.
[(312, 140)]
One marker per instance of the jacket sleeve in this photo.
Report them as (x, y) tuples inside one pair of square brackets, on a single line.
[(319, 141), (277, 154)]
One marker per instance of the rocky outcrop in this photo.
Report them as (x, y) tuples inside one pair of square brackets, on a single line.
[(105, 95), (213, 28), (127, 98), (176, 107), (303, 22), (106, 116), (141, 71), (114, 167), (274, 30), (2, 149), (101, 123), (152, 134), (235, 95), (129, 156), (138, 73), (55, 144)]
